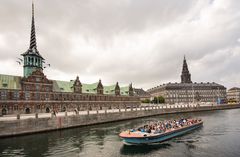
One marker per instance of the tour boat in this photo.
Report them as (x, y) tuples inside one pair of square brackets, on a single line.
[(139, 137)]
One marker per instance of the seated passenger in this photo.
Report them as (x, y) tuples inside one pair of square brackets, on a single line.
[(149, 131)]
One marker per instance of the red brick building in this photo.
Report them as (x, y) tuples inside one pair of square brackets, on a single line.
[(34, 92)]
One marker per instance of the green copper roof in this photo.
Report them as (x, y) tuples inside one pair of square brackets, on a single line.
[(14, 82), (10, 82), (124, 90), (89, 88), (109, 89), (62, 86), (65, 86)]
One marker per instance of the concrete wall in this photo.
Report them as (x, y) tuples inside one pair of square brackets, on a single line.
[(34, 125)]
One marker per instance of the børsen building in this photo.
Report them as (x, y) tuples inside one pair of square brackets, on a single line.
[(34, 92)]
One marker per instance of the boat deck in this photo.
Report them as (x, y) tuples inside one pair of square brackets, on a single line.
[(139, 134)]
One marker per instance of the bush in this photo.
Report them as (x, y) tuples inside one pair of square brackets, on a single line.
[(146, 101), (158, 100)]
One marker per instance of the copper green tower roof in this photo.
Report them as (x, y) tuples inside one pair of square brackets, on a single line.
[(32, 59)]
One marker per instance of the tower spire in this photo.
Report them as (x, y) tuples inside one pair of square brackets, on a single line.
[(33, 43), (186, 76), (32, 59)]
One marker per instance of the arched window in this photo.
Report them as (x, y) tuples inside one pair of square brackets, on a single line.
[(47, 110), (64, 109), (4, 111), (27, 110)]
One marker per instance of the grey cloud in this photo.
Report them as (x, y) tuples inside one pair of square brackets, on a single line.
[(139, 41)]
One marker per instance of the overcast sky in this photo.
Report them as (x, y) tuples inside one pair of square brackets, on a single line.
[(138, 41)]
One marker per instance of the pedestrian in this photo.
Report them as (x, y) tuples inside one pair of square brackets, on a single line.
[(76, 111), (54, 113)]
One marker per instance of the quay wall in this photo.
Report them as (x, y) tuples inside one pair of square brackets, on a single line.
[(35, 125)]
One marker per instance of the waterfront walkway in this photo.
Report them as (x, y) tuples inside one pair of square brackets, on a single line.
[(72, 113), (12, 125)]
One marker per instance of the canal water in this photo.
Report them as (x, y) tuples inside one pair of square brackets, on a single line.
[(219, 137)]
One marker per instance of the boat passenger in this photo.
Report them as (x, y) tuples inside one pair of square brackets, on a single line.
[(149, 131)]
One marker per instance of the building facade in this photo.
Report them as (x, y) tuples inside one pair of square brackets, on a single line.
[(142, 94), (233, 95), (34, 92), (188, 92)]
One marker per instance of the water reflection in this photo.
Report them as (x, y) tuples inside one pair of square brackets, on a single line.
[(143, 149), (219, 136)]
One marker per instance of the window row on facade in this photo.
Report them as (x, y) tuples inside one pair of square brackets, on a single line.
[(26, 95)]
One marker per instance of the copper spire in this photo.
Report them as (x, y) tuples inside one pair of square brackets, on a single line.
[(33, 43), (186, 76), (185, 66)]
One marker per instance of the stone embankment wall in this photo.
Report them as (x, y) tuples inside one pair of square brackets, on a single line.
[(34, 125)]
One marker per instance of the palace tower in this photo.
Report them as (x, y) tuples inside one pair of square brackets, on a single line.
[(186, 76)]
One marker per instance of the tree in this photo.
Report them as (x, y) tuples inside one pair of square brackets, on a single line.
[(161, 99), (197, 97), (158, 100)]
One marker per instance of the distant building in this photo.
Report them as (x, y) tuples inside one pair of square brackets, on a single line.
[(34, 92), (233, 95), (142, 94), (187, 92)]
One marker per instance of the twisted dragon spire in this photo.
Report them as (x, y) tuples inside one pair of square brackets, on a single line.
[(33, 42)]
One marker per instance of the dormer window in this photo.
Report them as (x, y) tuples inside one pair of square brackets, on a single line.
[(4, 85)]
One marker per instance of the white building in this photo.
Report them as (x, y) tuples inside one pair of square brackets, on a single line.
[(233, 95), (189, 92)]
